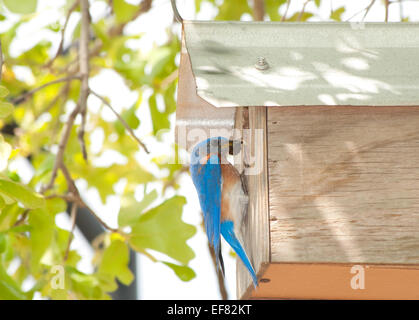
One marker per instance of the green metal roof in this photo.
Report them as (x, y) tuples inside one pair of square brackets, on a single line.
[(309, 63)]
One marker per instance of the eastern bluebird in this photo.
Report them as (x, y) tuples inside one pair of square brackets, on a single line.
[(222, 195)]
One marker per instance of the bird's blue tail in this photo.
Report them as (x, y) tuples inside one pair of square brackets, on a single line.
[(227, 230)]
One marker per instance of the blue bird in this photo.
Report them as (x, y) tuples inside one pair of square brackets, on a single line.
[(222, 195)]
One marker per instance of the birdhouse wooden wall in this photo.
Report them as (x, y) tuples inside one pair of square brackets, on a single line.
[(332, 150)]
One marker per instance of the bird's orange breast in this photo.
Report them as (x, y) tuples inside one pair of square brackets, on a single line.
[(230, 177)]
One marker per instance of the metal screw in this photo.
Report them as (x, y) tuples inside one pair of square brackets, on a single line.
[(261, 64)]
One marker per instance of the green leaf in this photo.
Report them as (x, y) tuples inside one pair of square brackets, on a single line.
[(131, 209), (86, 285), (20, 229), (20, 274), (38, 54), (336, 15), (5, 109), (21, 193), (124, 12), (163, 230), (5, 151), (55, 26), (272, 9), (107, 282), (2, 203), (132, 70), (9, 215), (3, 242), (7, 200), (158, 60), (184, 273), (317, 2), (21, 6), (9, 290), (169, 99), (233, 10), (46, 165), (304, 17), (13, 175), (100, 31), (198, 5), (42, 232), (130, 118), (160, 119), (115, 262), (56, 205), (103, 178), (3, 92)]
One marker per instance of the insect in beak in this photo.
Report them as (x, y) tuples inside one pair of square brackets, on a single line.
[(234, 147)]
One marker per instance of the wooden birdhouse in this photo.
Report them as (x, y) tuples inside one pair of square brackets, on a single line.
[(330, 116)]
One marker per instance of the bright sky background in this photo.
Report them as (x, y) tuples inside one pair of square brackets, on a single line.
[(157, 281)]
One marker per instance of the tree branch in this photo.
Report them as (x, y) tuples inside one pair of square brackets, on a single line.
[(221, 283), (61, 147), (177, 175), (72, 188), (83, 75), (73, 216), (22, 98), (367, 9), (145, 6), (80, 135), (300, 15), (22, 218), (63, 93), (129, 129), (169, 79), (113, 31), (284, 17), (258, 10), (61, 45), (66, 197), (1, 61), (84, 70)]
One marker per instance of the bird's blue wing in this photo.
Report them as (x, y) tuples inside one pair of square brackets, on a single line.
[(207, 180), (227, 230)]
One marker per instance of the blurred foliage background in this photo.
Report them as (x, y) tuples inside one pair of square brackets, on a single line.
[(51, 118)]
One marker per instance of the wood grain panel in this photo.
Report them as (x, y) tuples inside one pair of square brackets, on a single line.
[(256, 231), (336, 281), (344, 184)]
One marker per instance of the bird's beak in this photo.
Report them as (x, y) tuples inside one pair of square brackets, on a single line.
[(234, 147)]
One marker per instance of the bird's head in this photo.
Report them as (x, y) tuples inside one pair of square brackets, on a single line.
[(216, 145)]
